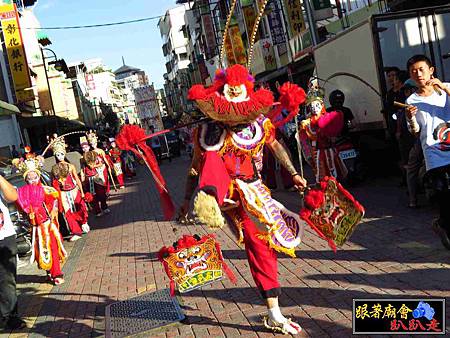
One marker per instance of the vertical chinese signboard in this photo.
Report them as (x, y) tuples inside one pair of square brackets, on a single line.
[(295, 16), (16, 53), (240, 54), (210, 36), (250, 17)]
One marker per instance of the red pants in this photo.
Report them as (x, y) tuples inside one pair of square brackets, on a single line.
[(55, 270), (99, 202), (261, 258)]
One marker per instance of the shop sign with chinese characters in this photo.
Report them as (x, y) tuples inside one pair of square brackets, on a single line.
[(16, 52), (398, 316), (295, 16)]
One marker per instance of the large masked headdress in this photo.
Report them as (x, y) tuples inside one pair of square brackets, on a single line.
[(59, 145), (92, 137), (32, 164), (232, 98)]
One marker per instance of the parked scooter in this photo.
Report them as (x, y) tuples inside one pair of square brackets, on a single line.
[(23, 238)]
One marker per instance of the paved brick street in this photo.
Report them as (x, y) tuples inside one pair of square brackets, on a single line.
[(393, 253)]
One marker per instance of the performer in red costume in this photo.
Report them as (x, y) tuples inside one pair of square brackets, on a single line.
[(67, 182), (40, 203), (225, 174), (94, 180), (102, 158), (116, 159), (317, 134)]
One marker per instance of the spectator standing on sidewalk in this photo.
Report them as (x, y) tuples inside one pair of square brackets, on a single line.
[(8, 261), (428, 115)]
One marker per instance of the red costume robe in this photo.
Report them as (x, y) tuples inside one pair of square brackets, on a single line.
[(96, 184), (116, 163), (38, 202), (71, 204)]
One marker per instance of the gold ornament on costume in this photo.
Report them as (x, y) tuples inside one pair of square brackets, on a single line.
[(59, 145), (32, 163), (92, 137), (83, 140)]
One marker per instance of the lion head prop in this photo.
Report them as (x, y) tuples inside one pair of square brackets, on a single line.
[(193, 262)]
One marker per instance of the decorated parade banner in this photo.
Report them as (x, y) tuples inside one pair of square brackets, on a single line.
[(16, 53)]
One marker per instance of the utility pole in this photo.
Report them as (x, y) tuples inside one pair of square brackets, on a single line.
[(311, 22)]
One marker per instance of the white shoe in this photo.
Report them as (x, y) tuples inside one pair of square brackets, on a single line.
[(74, 238), (106, 211), (288, 327), (86, 228)]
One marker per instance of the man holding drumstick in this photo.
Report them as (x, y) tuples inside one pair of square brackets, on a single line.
[(428, 116)]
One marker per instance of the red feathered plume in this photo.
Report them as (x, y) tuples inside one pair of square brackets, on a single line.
[(291, 97), (314, 199), (132, 138), (237, 75), (88, 197), (331, 123)]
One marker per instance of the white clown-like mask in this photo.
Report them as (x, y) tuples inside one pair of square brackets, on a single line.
[(235, 94), (315, 107), (60, 156), (32, 178)]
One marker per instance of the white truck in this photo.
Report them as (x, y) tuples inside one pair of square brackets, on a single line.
[(355, 60)]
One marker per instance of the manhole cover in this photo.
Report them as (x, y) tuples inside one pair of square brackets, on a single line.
[(142, 313)]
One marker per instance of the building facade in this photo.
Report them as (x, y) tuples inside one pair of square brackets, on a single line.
[(175, 40)]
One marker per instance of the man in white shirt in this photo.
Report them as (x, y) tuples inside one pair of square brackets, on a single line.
[(428, 116), (8, 261)]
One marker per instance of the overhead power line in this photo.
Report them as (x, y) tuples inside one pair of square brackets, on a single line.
[(97, 25)]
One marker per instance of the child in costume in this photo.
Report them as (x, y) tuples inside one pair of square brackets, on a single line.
[(67, 182), (92, 176), (116, 159), (225, 176), (317, 132), (40, 203)]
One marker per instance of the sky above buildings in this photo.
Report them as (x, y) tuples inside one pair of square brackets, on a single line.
[(139, 43)]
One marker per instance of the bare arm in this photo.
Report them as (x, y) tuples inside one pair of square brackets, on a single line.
[(8, 191), (77, 179), (282, 156)]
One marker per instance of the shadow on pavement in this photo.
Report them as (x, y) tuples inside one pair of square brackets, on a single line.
[(60, 315)]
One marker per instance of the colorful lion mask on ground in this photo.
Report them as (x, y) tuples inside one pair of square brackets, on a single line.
[(193, 262)]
